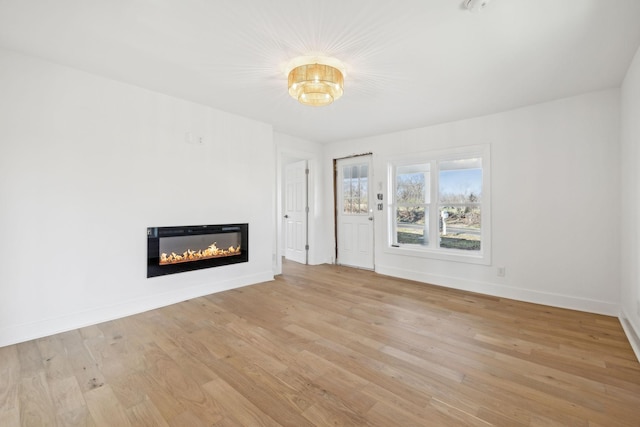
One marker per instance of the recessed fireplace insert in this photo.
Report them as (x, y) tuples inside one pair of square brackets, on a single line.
[(173, 250)]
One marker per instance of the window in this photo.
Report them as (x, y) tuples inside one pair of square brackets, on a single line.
[(460, 204), (439, 205), (412, 192), (354, 189)]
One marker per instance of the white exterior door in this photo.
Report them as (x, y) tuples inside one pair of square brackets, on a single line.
[(354, 218), (295, 212)]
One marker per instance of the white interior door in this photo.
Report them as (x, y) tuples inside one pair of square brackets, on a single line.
[(354, 216), (295, 212)]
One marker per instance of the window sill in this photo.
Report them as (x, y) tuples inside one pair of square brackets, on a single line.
[(442, 255)]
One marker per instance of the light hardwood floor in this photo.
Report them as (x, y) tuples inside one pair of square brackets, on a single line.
[(327, 345)]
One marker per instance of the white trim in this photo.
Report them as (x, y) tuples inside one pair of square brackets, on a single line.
[(286, 155), (442, 154), (33, 330), (525, 295), (632, 331), (440, 254)]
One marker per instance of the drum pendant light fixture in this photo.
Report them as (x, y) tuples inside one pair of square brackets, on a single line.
[(315, 80)]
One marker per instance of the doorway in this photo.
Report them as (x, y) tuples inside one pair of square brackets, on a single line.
[(296, 210)]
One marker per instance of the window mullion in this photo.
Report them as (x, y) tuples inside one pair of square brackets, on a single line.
[(433, 205)]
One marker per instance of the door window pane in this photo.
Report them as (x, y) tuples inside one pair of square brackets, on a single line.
[(355, 196), (355, 183), (346, 189), (364, 190)]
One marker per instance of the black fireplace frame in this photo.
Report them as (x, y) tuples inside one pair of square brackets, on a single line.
[(154, 234)]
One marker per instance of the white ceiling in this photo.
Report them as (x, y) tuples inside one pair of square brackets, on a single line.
[(410, 63)]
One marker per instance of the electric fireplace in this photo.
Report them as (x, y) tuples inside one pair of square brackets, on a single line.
[(173, 250)]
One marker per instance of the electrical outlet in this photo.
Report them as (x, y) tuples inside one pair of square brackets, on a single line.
[(501, 271)]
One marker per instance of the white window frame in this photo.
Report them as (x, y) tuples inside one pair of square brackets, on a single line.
[(432, 250)]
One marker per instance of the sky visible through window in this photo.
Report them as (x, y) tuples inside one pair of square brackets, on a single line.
[(461, 181)]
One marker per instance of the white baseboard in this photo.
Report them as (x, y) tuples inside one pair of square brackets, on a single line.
[(526, 295), (28, 331), (632, 331)]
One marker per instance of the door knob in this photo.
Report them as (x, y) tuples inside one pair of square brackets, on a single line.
[(286, 216)]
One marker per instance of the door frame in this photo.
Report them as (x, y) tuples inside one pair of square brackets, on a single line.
[(285, 156), (335, 204)]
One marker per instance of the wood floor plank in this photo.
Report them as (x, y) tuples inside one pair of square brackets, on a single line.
[(105, 408), (66, 394), (56, 364), (145, 414), (80, 361), (10, 417), (147, 386), (31, 361), (79, 417), (237, 406), (168, 376), (329, 345), (457, 413), (10, 370), (383, 414), (190, 419), (260, 388), (36, 407)]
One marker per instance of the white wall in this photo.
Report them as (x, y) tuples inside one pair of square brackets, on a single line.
[(86, 164), (630, 207), (554, 198), (291, 149)]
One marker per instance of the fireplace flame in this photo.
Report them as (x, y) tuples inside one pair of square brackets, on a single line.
[(190, 255)]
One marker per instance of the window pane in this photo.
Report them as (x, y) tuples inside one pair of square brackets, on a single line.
[(346, 172), (411, 227), (346, 198), (364, 190), (460, 181), (364, 205), (460, 227), (346, 189), (355, 187), (412, 187), (355, 182), (364, 171)]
